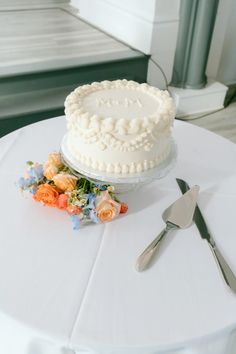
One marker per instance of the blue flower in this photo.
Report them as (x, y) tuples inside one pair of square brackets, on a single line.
[(93, 217), (36, 171), (100, 186), (91, 200), (21, 182), (103, 188), (25, 183), (76, 222), (33, 190)]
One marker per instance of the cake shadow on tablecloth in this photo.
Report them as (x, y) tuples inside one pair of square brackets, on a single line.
[(144, 197)]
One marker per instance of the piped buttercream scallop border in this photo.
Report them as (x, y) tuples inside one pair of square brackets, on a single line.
[(77, 115), (119, 168)]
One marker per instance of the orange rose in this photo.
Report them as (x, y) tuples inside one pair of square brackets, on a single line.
[(46, 194), (107, 209), (65, 182), (62, 201)]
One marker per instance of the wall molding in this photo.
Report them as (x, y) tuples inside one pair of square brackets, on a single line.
[(154, 16), (132, 11)]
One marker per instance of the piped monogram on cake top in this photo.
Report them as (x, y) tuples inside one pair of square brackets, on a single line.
[(111, 102)]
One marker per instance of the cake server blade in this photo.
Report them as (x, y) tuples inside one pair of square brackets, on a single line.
[(177, 215), (198, 218)]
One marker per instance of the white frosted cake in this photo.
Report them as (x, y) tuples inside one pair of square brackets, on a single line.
[(119, 127)]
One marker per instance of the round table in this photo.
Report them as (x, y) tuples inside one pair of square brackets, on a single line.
[(65, 291)]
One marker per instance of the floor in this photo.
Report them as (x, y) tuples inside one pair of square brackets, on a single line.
[(46, 50), (222, 122), (43, 39)]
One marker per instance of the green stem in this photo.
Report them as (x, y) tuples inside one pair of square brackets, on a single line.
[(115, 198)]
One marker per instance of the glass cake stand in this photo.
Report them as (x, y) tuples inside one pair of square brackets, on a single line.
[(121, 183)]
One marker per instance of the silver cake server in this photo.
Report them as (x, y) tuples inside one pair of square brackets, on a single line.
[(179, 215), (226, 272)]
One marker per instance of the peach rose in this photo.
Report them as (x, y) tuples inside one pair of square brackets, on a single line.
[(62, 201), (65, 182), (46, 194), (73, 210), (49, 170), (106, 208), (55, 159)]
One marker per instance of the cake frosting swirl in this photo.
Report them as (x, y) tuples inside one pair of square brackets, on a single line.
[(120, 126)]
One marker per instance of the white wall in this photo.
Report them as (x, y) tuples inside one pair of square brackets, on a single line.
[(142, 9), (150, 26), (125, 19), (164, 38)]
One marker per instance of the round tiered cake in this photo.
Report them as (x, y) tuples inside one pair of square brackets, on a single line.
[(119, 127)]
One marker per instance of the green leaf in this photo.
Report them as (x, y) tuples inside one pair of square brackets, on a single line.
[(30, 163)]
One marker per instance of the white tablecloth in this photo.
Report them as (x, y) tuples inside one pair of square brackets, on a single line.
[(65, 291)]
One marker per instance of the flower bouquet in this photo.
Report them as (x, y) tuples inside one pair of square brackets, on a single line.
[(53, 184)]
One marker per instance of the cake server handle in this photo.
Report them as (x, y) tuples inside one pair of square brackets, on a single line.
[(226, 271), (145, 258)]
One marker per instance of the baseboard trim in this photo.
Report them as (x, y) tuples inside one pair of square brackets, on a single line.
[(193, 102), (231, 95), (32, 4)]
